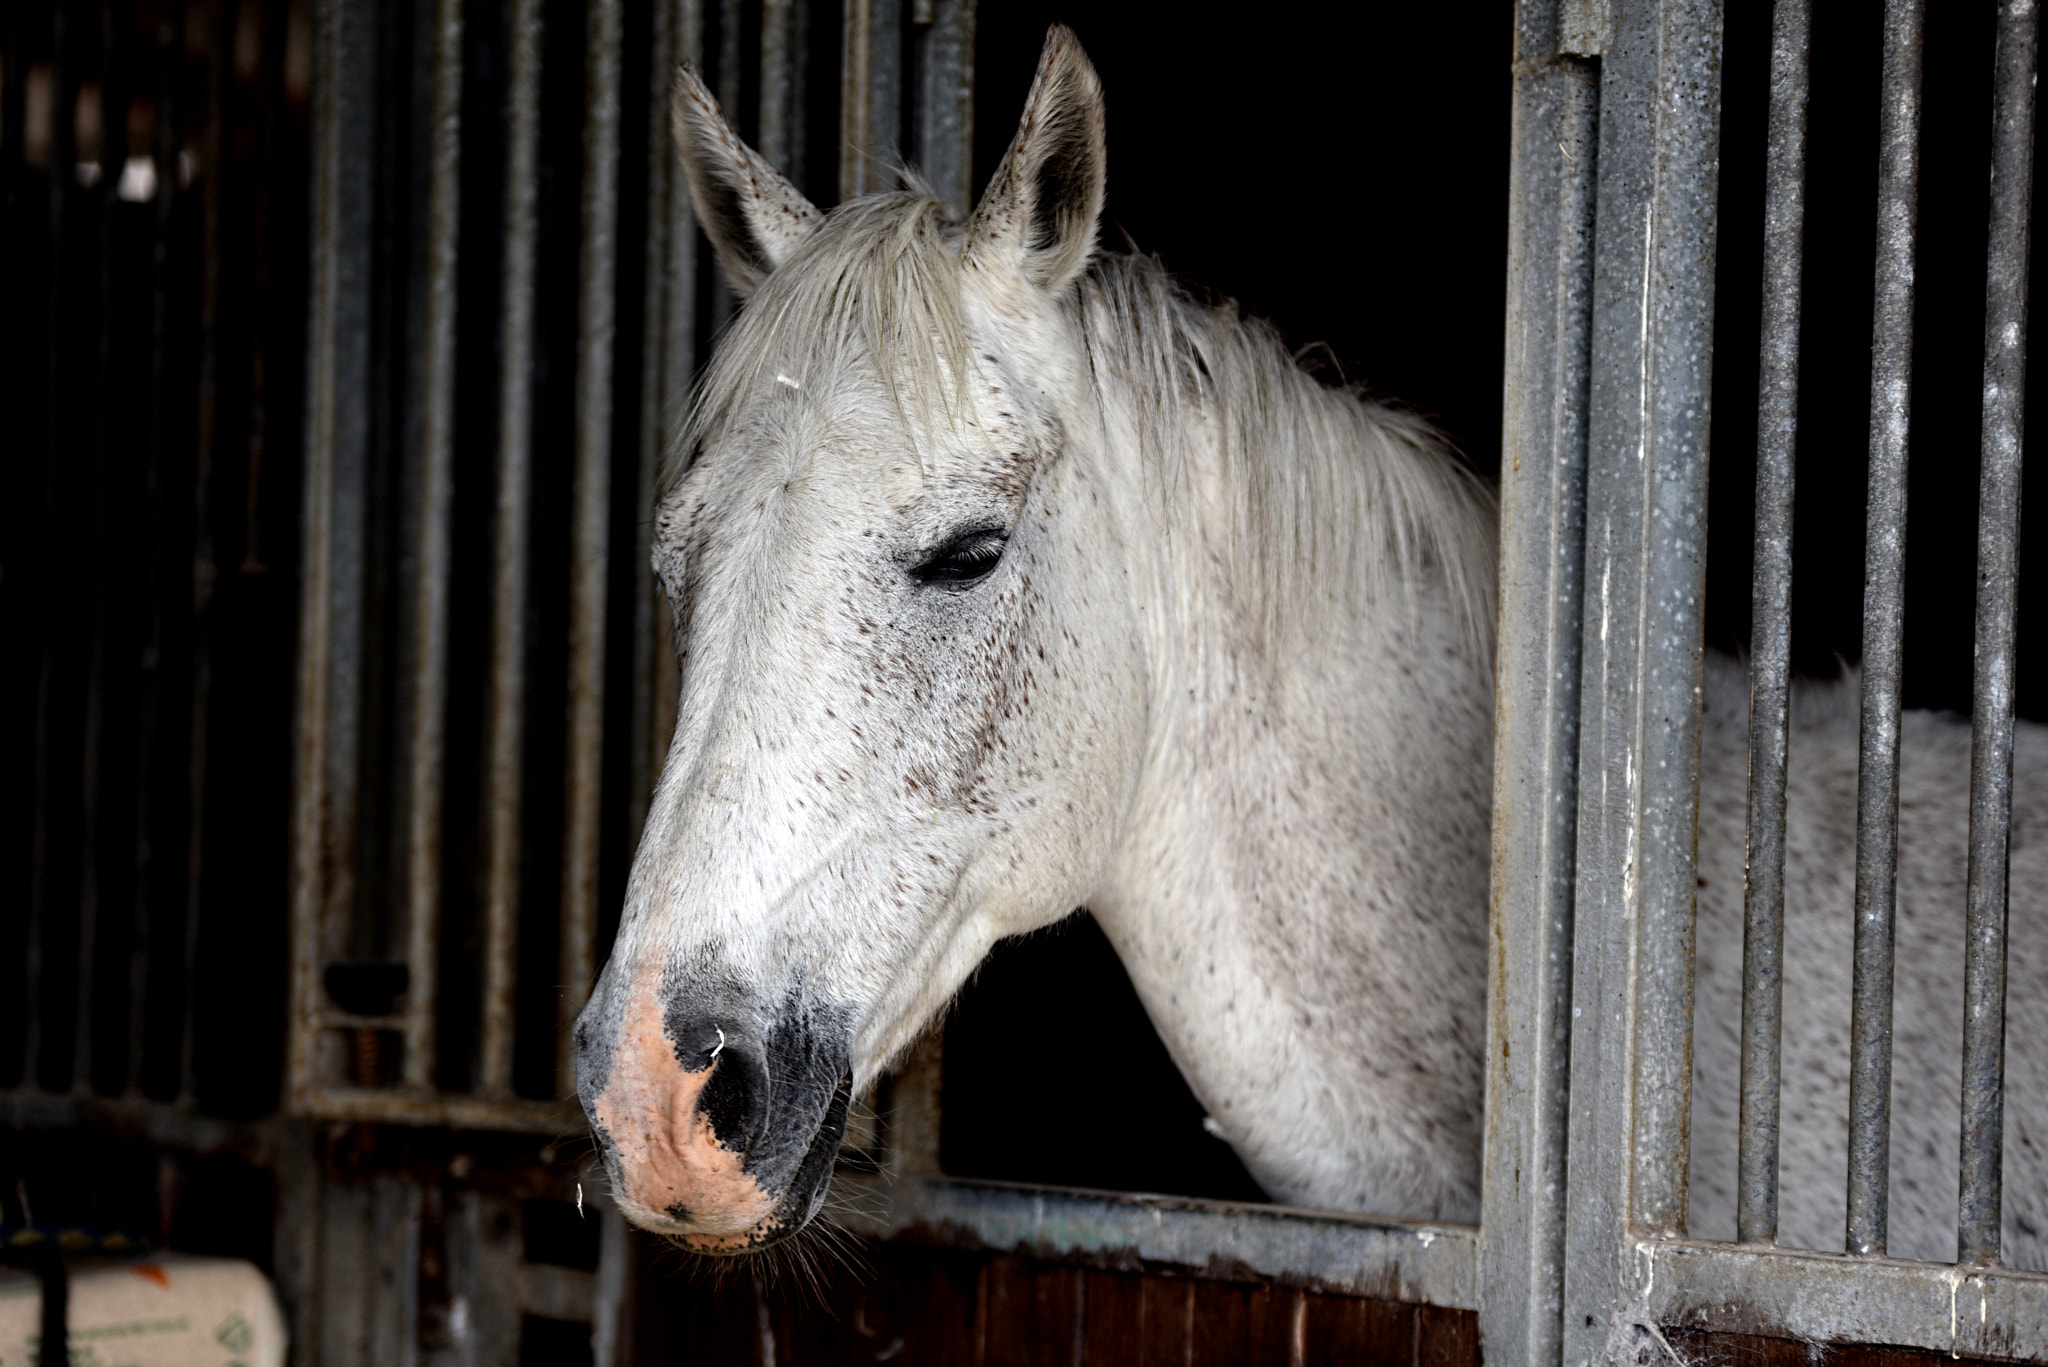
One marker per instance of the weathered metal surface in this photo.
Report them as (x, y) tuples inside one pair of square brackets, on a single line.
[(1770, 662), (1822, 1297), (1640, 674), (332, 522), (461, 1110), (1413, 1261), (870, 96), (505, 721), (590, 517), (137, 1118), (667, 361), (1884, 572), (1991, 708), (943, 140), (1536, 697), (785, 34), (427, 739)]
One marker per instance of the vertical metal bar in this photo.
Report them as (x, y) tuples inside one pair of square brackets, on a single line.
[(1877, 785), (667, 359), (589, 550), (330, 557), (1991, 708), (944, 146), (611, 1311), (869, 97), (1536, 695), (427, 749), (722, 301), (1770, 665), (1640, 672), (781, 98), (505, 730)]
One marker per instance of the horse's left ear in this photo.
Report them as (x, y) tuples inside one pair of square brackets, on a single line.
[(1042, 204), (753, 216)]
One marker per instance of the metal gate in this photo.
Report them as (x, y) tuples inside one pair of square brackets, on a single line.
[(507, 303), (1611, 284)]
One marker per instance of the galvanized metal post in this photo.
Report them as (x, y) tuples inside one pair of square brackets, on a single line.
[(1553, 180), (667, 361), (1770, 665), (325, 723), (1998, 547), (870, 99), (1646, 479), (943, 139), (1884, 589), (427, 740), (590, 519), (505, 723)]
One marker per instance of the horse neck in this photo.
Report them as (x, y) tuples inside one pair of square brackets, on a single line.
[(1309, 838)]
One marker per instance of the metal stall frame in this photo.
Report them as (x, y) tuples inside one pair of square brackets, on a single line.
[(336, 513), (1582, 1254), (1583, 1244)]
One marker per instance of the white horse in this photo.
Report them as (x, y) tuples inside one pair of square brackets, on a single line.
[(1009, 579)]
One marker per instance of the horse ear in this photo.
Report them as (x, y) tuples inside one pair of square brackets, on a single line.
[(753, 216), (1041, 207)]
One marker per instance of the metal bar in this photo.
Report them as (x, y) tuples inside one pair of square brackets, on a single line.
[(163, 1124), (332, 517), (1877, 780), (505, 729), (458, 1110), (426, 755), (1413, 1261), (1991, 707), (869, 97), (945, 107), (667, 360), (1640, 672), (589, 549), (1536, 695), (781, 97), (1826, 1298), (1770, 664)]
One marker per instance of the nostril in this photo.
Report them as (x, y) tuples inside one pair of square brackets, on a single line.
[(735, 1097)]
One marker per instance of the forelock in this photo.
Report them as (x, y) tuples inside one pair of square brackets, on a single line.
[(875, 294)]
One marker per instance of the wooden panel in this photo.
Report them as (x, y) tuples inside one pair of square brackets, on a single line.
[(1033, 1314), (1235, 1323), (1346, 1331), (1446, 1338), (1114, 1328), (908, 1305)]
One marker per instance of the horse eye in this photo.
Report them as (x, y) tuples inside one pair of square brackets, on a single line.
[(964, 559)]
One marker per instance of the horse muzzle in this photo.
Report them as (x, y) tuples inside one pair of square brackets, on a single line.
[(719, 1121)]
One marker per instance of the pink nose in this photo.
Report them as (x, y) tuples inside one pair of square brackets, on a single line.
[(678, 1142)]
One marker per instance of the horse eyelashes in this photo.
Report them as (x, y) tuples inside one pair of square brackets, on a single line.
[(964, 559)]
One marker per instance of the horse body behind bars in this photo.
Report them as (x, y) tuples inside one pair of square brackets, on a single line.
[(1008, 579)]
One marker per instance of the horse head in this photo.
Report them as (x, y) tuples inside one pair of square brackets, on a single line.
[(910, 711)]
